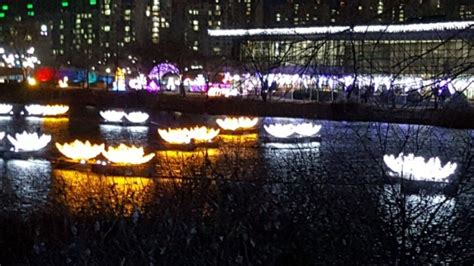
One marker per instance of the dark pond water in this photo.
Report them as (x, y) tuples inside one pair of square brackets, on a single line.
[(348, 153)]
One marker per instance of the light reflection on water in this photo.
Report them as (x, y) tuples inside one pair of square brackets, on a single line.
[(88, 193), (237, 156), (28, 180), (116, 134)]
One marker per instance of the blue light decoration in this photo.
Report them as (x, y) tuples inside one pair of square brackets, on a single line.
[(158, 72)]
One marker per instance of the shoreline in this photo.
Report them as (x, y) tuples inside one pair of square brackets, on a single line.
[(347, 111)]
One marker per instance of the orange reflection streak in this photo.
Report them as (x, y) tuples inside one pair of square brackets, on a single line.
[(239, 139), (186, 163), (90, 193)]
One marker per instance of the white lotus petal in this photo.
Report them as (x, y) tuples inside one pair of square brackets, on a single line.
[(307, 129), (417, 168), (137, 117), (46, 110), (5, 108), (280, 130), (112, 115), (29, 141)]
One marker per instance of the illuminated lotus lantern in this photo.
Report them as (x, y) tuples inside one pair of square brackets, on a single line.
[(280, 130), (79, 150), (204, 134), (184, 135), (137, 117), (307, 129), (124, 154), (175, 136), (112, 115), (46, 110), (5, 109), (233, 123), (417, 168), (29, 141)]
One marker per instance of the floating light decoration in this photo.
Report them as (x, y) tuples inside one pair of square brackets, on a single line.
[(203, 133), (79, 150), (184, 135), (234, 123), (112, 115), (46, 110), (124, 154), (5, 109), (137, 117), (175, 136), (29, 141), (417, 168), (307, 129), (280, 130)]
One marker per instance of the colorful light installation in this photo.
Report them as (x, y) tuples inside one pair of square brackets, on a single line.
[(124, 154), (138, 83), (417, 168), (5, 109), (46, 110), (235, 123), (63, 83), (79, 150), (29, 141), (112, 115), (119, 83)]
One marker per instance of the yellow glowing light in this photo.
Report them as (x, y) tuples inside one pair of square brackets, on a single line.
[(203, 133), (46, 110), (32, 81), (63, 83), (79, 150), (239, 139), (184, 135), (124, 154), (91, 193), (235, 123), (175, 136)]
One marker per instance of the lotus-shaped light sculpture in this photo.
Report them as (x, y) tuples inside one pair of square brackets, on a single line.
[(280, 130), (46, 110), (124, 154), (112, 115), (79, 150), (175, 136), (417, 168), (29, 141), (307, 129), (235, 123), (203, 133), (5, 108), (137, 117)]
